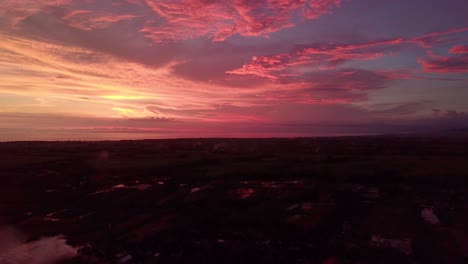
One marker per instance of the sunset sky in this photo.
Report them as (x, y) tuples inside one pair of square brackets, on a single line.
[(101, 69)]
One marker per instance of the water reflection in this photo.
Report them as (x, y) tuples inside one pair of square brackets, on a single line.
[(44, 251)]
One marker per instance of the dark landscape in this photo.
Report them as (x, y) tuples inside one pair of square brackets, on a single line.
[(371, 199)]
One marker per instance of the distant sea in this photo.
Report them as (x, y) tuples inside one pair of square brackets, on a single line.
[(82, 136), (5, 137)]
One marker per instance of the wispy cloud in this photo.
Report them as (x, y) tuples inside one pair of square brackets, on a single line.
[(442, 64), (89, 19), (218, 20), (321, 56)]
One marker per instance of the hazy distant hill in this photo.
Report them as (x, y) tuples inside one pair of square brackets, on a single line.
[(459, 132)]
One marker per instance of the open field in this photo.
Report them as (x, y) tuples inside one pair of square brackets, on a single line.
[(307, 200)]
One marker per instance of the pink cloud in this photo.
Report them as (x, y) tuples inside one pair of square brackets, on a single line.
[(19, 10), (329, 55), (69, 12), (264, 66), (318, 8), (322, 56), (186, 19), (442, 64), (459, 49), (333, 54), (434, 38), (88, 19)]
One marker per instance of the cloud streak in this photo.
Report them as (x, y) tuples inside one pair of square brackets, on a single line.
[(320, 56), (89, 20), (219, 20), (443, 64)]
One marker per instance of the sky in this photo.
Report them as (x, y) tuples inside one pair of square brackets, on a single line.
[(126, 69)]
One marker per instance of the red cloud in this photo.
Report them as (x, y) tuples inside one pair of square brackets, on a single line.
[(332, 55), (185, 19), (88, 20), (264, 66), (329, 55), (72, 15), (459, 49), (324, 56), (441, 64), (320, 7), (434, 38), (19, 10)]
